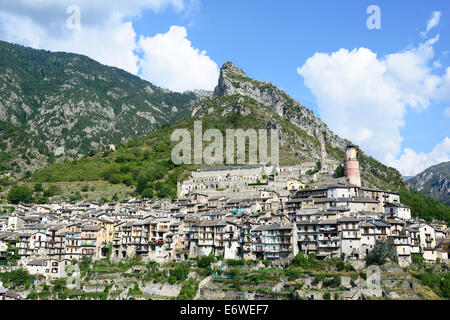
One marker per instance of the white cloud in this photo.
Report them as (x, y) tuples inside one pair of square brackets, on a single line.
[(355, 99), (364, 97), (413, 163), (432, 22), (171, 61), (106, 33)]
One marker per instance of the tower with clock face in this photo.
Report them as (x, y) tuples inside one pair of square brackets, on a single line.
[(351, 166)]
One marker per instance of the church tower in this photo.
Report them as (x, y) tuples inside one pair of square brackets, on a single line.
[(351, 166)]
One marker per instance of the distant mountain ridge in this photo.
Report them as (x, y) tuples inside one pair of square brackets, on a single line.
[(62, 105), (434, 181)]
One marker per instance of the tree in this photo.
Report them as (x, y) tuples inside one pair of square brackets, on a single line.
[(205, 261), (300, 261), (38, 187), (179, 273), (51, 191), (340, 171), (141, 184), (147, 193), (318, 166), (19, 194), (85, 263), (379, 254), (19, 277)]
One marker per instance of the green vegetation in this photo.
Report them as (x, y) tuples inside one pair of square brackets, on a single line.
[(304, 262), (339, 171), (136, 291), (235, 262), (379, 255), (438, 282), (16, 278), (424, 206), (179, 273), (145, 163), (19, 194), (13, 253), (102, 94), (417, 258), (188, 290), (317, 169), (205, 261), (377, 174)]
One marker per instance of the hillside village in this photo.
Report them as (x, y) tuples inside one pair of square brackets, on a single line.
[(248, 212)]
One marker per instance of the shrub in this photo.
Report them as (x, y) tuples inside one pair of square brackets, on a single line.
[(147, 193), (188, 290), (417, 257), (235, 262), (340, 171), (334, 282), (292, 274), (205, 261), (343, 266), (379, 254), (19, 194), (38, 187), (179, 273), (19, 277)]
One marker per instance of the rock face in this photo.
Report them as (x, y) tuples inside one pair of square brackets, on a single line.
[(60, 105), (434, 181), (233, 80)]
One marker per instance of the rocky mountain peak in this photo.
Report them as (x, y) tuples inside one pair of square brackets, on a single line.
[(434, 181), (233, 81), (231, 68)]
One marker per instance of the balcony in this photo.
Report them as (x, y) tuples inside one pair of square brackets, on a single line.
[(333, 245), (285, 234), (323, 238), (328, 229)]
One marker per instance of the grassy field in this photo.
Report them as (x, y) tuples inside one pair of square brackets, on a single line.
[(96, 190)]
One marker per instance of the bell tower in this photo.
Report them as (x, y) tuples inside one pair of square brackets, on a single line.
[(351, 166)]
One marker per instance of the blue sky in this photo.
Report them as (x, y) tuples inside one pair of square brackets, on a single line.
[(401, 122)]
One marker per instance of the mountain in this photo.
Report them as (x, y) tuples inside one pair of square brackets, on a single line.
[(238, 102), (62, 105), (434, 181), (233, 80)]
